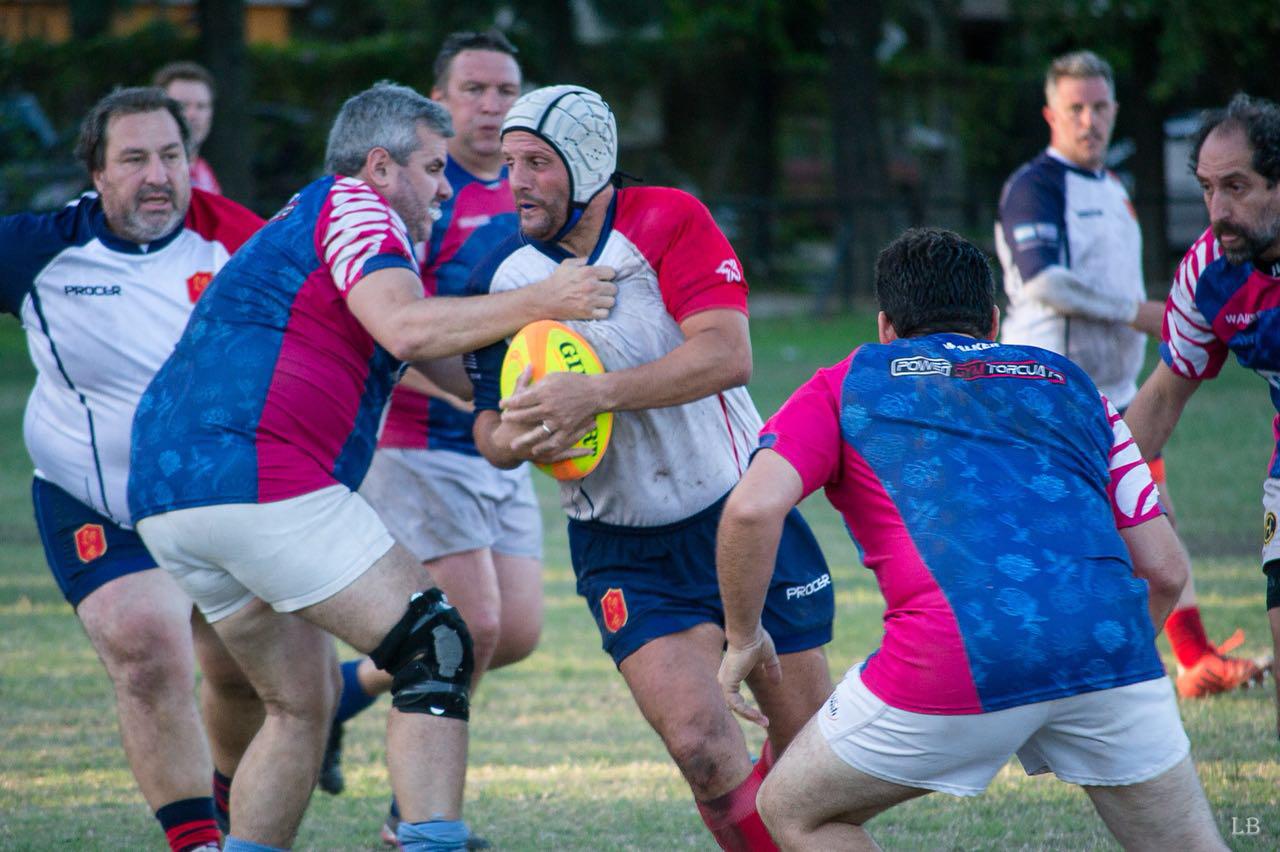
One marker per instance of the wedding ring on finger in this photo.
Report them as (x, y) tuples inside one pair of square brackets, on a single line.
[(546, 428)]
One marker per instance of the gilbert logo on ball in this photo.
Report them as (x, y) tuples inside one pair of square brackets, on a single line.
[(552, 347)]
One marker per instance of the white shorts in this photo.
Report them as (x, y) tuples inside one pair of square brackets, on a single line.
[(438, 502), (291, 553), (1113, 737), (1270, 510)]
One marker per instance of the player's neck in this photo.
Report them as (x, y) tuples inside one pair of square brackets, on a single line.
[(480, 166), (581, 241)]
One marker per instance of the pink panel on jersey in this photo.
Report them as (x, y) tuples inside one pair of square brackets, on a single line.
[(922, 665), (406, 423), (314, 394), (696, 267)]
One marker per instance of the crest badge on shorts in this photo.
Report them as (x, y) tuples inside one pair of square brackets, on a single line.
[(613, 606), (91, 542), (1268, 527)]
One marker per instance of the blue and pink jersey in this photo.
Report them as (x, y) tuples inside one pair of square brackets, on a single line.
[(1216, 307), (275, 389), (480, 215), (984, 485)]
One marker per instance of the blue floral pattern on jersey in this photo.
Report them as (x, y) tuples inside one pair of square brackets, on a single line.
[(1002, 483)]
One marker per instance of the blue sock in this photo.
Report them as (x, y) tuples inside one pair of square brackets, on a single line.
[(354, 698), (436, 835), (235, 844)]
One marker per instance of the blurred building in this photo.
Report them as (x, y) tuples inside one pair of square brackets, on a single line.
[(265, 21)]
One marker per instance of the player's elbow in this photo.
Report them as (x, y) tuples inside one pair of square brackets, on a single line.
[(753, 508)]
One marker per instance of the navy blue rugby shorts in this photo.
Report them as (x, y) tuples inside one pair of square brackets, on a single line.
[(646, 582)]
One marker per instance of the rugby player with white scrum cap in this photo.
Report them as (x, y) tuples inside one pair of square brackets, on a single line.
[(642, 525)]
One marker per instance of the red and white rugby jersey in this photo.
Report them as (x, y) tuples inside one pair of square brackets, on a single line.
[(101, 315), (662, 464)]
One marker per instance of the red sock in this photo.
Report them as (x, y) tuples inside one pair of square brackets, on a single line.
[(765, 763), (1187, 636), (188, 824), (733, 821)]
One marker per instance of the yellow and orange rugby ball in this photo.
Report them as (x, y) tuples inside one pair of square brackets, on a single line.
[(552, 347)]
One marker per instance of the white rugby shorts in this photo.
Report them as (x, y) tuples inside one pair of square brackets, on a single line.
[(1270, 511), (290, 553), (438, 502), (1112, 737)]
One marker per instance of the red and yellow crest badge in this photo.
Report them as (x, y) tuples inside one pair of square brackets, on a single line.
[(91, 542), (614, 608), (196, 284)]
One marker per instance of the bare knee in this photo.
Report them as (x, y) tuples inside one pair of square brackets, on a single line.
[(148, 656), (699, 746), (519, 639), (484, 624), (769, 806)]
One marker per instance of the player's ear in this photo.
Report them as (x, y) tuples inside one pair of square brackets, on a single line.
[(888, 333), (995, 322), (377, 168)]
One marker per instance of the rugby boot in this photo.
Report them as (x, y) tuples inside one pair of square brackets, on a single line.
[(1216, 672), (331, 779)]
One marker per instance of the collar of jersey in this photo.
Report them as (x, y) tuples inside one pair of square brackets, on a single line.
[(558, 254), (115, 243), (1059, 158)]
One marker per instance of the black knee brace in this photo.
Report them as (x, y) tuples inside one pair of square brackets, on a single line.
[(1272, 570), (429, 654)]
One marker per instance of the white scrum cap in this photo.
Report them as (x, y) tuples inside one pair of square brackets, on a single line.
[(579, 125)]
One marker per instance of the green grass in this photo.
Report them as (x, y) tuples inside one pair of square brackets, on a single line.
[(560, 757)]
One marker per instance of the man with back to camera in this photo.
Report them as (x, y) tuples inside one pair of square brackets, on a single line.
[(1224, 298), (103, 288), (477, 528), (191, 85), (250, 442), (642, 524), (1071, 249), (1029, 630)]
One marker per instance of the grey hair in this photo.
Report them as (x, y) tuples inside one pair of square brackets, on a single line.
[(385, 115), (1081, 65)]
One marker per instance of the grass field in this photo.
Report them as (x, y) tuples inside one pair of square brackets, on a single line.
[(560, 757)]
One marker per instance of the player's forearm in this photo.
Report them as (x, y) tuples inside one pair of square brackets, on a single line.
[(1062, 290), (449, 325), (707, 363), (1155, 411), (746, 550), (486, 432)]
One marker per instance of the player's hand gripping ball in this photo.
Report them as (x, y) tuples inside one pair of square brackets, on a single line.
[(552, 347)]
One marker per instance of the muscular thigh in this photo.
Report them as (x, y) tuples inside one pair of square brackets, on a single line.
[(812, 785), (365, 611)]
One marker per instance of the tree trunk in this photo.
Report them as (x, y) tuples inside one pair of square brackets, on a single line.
[(90, 18), (230, 145), (859, 157)]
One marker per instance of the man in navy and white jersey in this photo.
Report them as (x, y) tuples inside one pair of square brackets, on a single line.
[(1071, 249), (103, 288), (643, 523), (1226, 299)]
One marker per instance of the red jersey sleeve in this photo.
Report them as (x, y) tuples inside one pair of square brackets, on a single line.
[(806, 429), (221, 220), (697, 269)]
